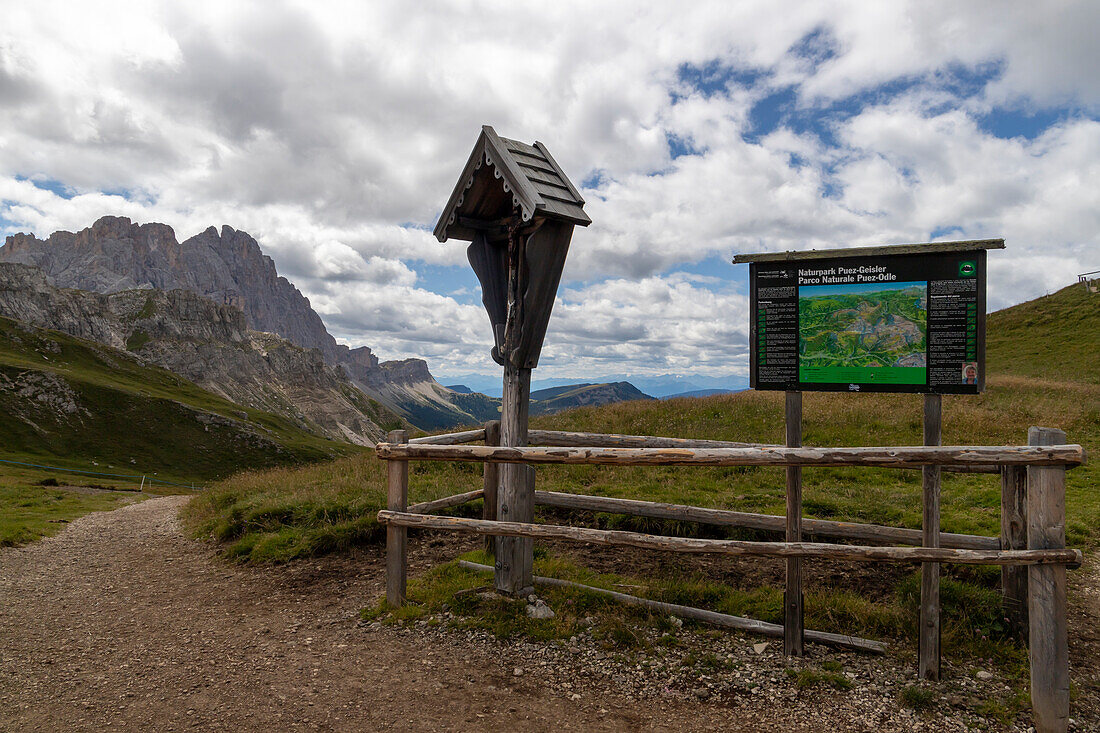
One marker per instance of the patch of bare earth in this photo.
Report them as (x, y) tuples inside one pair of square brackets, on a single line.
[(122, 622)]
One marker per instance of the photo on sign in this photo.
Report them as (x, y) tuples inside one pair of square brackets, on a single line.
[(869, 333)]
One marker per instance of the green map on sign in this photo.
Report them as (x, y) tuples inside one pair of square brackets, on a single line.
[(866, 333)]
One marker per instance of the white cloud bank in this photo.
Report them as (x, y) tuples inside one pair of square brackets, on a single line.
[(333, 133)]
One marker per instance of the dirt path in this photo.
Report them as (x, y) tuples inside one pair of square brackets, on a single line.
[(122, 622)]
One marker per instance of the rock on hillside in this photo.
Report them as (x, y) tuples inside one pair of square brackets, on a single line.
[(208, 343), (409, 389)]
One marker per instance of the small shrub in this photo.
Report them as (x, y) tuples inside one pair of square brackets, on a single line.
[(918, 698)]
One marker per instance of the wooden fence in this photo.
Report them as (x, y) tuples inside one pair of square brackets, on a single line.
[(1030, 549)]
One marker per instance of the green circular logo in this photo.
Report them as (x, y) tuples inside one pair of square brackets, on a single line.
[(968, 269)]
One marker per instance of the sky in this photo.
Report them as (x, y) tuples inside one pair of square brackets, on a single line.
[(334, 133)]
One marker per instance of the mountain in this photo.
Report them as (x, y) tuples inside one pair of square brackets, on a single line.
[(556, 399), (82, 404), (700, 393), (410, 390), (207, 343), (660, 386), (115, 255), (227, 267)]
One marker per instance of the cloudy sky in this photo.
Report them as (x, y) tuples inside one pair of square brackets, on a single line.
[(334, 132)]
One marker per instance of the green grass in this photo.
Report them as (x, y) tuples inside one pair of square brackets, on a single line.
[(31, 507), (919, 697), (28, 513), (810, 677), (30, 510)]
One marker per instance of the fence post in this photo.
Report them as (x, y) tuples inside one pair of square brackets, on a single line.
[(792, 595), (929, 635), (1046, 589), (1014, 537), (397, 500), (491, 483)]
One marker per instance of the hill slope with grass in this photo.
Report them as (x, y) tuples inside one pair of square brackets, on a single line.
[(80, 404)]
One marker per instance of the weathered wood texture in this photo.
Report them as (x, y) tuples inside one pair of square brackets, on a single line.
[(734, 547), (397, 499), (792, 592), (1013, 537), (886, 249), (929, 635), (765, 522), (515, 500), (885, 457), (711, 617), (491, 483), (427, 507), (561, 438), (1046, 587), (466, 436)]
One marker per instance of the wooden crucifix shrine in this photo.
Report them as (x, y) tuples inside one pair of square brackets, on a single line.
[(517, 209)]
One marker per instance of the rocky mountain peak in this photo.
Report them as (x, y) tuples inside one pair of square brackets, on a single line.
[(115, 254)]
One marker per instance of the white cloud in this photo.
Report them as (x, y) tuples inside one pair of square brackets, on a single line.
[(333, 132)]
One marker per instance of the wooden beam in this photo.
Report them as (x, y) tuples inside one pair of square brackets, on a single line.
[(560, 438), (515, 500), (929, 633), (466, 436), (1046, 589), (397, 498), (427, 507), (491, 483), (792, 588), (882, 457), (711, 617), (741, 548), (764, 522), (1014, 537), (886, 249)]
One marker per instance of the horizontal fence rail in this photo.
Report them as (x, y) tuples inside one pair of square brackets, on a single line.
[(734, 547), (562, 438), (427, 507), (559, 438), (749, 520), (884, 457), (466, 436)]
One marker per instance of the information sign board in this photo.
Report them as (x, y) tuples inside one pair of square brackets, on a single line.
[(873, 323)]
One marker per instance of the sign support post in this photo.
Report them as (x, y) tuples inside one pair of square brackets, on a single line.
[(792, 596), (929, 641)]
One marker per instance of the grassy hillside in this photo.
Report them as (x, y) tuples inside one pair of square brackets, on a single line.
[(284, 514), (1056, 338), (78, 404)]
